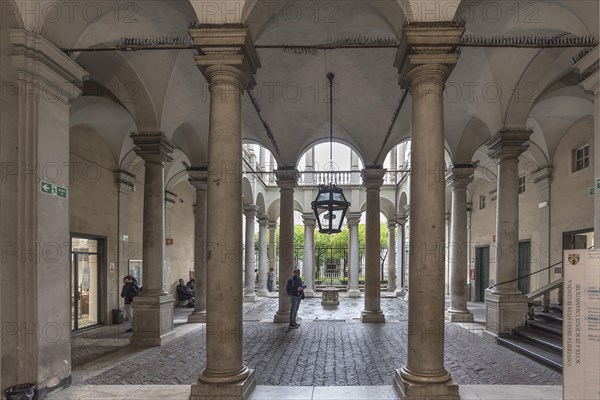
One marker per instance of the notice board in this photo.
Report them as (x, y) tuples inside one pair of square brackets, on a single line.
[(581, 324)]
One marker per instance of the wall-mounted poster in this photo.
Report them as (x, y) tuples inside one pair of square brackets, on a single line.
[(581, 324)]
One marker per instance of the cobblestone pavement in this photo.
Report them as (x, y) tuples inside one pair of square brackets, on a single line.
[(326, 353)]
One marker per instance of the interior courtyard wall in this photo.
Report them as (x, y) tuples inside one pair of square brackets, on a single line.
[(483, 223), (572, 208), (135, 216), (529, 217), (94, 203), (8, 205), (180, 254)]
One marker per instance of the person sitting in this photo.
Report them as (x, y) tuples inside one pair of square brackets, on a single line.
[(192, 286), (184, 295)]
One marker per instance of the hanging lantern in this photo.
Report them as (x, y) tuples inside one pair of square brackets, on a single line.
[(330, 206)]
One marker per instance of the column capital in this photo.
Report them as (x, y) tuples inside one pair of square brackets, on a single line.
[(543, 178), (391, 224), (587, 68), (373, 177), (250, 210), (225, 51), (353, 218), (428, 44), (508, 143), (152, 147), (198, 178), (309, 219), (272, 225), (401, 218), (263, 219), (125, 181), (39, 62), (287, 178), (460, 175)]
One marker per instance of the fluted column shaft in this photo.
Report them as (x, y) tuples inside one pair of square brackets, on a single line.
[(250, 212), (459, 178), (286, 180), (199, 180), (391, 256), (353, 219), (425, 362), (309, 253), (262, 256), (373, 179)]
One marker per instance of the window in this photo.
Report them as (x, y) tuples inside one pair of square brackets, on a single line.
[(482, 201), (521, 184), (581, 158)]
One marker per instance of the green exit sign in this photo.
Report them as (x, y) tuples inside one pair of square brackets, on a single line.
[(53, 189)]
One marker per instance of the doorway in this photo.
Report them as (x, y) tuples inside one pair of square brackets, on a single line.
[(87, 257), (582, 239), (524, 266), (482, 270)]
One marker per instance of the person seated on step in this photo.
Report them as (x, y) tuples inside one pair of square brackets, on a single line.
[(184, 295)]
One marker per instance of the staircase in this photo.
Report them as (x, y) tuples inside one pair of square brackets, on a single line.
[(540, 339)]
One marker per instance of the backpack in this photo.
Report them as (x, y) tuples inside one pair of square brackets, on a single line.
[(136, 289), (289, 286)]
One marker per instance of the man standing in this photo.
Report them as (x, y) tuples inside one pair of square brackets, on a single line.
[(295, 290), (129, 291), (270, 279)]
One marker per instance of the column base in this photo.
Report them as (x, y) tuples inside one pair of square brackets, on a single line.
[(250, 298), (391, 288), (309, 293), (401, 292), (197, 317), (372, 316), (459, 316), (262, 293), (282, 316), (409, 390), (240, 390), (354, 293), (504, 312), (152, 320)]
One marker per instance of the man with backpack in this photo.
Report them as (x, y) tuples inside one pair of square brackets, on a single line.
[(129, 291), (295, 290)]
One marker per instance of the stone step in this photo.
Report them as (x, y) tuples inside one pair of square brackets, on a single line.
[(545, 328), (546, 342), (549, 358)]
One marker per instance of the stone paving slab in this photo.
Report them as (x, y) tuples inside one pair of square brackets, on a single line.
[(328, 354)]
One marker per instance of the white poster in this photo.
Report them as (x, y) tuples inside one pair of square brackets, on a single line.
[(581, 325)]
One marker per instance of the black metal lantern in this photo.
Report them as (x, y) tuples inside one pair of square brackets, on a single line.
[(330, 206)]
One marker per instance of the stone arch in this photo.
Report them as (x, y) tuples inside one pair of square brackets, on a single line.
[(273, 208), (186, 138), (247, 192), (260, 203)]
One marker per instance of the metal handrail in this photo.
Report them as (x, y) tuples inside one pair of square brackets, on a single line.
[(524, 276)]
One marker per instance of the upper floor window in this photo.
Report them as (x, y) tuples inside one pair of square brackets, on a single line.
[(521, 184), (482, 201), (581, 158)]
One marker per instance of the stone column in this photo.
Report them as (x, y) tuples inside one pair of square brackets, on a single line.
[(401, 264), (542, 179), (506, 306), (391, 286), (262, 256), (459, 178), (309, 253), (355, 168), (228, 61), (39, 82), (199, 180), (372, 181), (353, 219), (170, 201), (425, 58), (447, 258), (287, 180), (273, 251), (250, 211), (153, 309), (587, 67)]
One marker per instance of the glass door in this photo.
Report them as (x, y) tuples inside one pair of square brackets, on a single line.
[(84, 283)]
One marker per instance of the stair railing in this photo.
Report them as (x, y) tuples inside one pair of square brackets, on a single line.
[(542, 291)]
